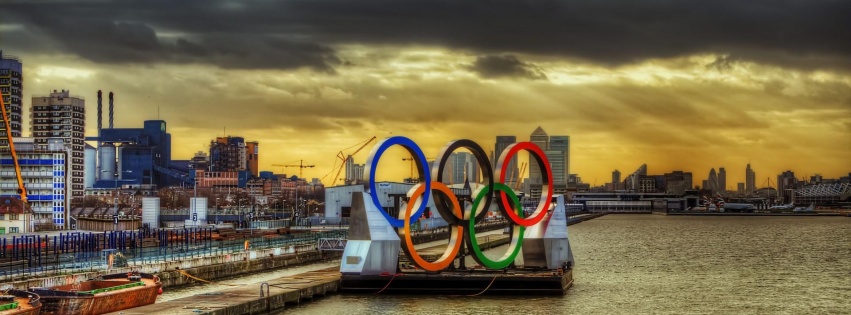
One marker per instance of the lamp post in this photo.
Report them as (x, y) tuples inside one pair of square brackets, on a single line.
[(217, 211)]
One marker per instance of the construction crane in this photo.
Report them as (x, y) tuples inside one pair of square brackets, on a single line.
[(343, 158), (22, 191), (300, 166), (520, 173)]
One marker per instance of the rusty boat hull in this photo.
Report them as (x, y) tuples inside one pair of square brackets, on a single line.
[(25, 303), (110, 294)]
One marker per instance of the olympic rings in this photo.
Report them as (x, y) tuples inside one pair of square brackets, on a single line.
[(449, 207)]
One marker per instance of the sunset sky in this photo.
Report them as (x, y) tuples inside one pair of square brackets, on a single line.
[(679, 85)]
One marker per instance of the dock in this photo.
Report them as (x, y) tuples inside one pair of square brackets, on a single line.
[(470, 282), (257, 298)]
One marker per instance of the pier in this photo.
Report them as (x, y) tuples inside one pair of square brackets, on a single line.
[(255, 298)]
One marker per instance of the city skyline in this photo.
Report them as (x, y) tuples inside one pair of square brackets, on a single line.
[(307, 93)]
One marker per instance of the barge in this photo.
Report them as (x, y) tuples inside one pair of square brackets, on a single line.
[(105, 294), (18, 302)]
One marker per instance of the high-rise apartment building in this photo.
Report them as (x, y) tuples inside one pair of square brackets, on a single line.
[(750, 180), (632, 182), (62, 116), (722, 180), (11, 89), (354, 172), (233, 154)]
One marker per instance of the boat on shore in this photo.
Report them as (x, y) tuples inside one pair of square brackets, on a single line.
[(105, 294), (19, 302)]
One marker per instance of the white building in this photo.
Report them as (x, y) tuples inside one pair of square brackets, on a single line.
[(44, 171)]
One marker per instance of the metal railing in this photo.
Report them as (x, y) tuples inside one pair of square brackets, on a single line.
[(69, 253)]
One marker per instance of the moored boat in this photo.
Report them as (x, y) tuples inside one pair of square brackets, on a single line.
[(106, 294), (18, 302)]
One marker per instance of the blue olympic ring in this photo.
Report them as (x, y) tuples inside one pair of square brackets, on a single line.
[(420, 158)]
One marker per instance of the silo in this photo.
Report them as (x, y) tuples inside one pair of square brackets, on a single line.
[(151, 212), (198, 205), (90, 166), (107, 162)]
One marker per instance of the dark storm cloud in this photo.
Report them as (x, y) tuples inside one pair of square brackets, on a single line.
[(806, 34), (505, 66)]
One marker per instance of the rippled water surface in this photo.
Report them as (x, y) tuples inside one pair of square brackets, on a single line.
[(640, 264)]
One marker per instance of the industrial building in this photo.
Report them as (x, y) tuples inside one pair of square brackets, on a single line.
[(62, 116), (44, 171)]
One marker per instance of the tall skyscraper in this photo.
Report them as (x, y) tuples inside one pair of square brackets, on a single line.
[(712, 181), (722, 180), (616, 180), (560, 143), (750, 180), (62, 116), (11, 89), (501, 143), (539, 137), (462, 166)]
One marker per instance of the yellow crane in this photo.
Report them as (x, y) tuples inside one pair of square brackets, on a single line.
[(343, 157), (300, 166), (22, 191)]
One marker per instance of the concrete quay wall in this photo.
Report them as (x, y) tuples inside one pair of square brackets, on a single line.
[(207, 267)]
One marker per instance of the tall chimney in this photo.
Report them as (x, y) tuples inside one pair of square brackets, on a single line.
[(100, 127), (100, 112), (111, 112)]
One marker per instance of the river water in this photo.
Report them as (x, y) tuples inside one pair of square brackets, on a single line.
[(651, 264)]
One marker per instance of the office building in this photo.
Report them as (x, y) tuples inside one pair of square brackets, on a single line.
[(712, 180), (616, 180), (786, 182), (502, 142), (461, 167), (722, 180), (562, 144), (677, 182), (740, 188), (62, 116), (11, 89), (750, 180), (540, 138)]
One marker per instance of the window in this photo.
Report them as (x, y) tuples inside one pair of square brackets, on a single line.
[(13, 230), (13, 216)]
